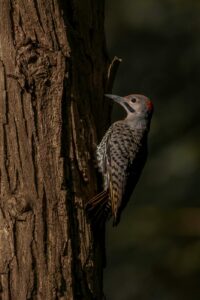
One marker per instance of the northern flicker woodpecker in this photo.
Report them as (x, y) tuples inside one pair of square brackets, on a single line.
[(121, 156)]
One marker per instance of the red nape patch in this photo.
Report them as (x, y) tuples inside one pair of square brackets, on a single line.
[(149, 105)]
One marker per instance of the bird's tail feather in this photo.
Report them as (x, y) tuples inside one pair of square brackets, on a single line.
[(98, 208)]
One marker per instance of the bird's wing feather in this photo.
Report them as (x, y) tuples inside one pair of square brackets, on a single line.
[(115, 154), (120, 154)]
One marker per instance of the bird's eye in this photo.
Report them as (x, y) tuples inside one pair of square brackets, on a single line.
[(133, 100)]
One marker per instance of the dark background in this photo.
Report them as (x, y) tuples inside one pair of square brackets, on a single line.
[(154, 253)]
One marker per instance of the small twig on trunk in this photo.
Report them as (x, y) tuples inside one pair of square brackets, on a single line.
[(112, 71)]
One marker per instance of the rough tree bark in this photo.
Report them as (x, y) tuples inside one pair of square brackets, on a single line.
[(53, 74)]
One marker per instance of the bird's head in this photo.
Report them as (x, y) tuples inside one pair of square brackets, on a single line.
[(138, 107)]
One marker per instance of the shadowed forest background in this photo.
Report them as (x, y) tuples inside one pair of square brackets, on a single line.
[(155, 251)]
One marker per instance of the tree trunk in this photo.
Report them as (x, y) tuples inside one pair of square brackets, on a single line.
[(53, 73)]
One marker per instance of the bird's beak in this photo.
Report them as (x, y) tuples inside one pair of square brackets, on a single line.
[(116, 98)]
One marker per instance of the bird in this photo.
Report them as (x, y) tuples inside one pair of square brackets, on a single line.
[(121, 156)]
